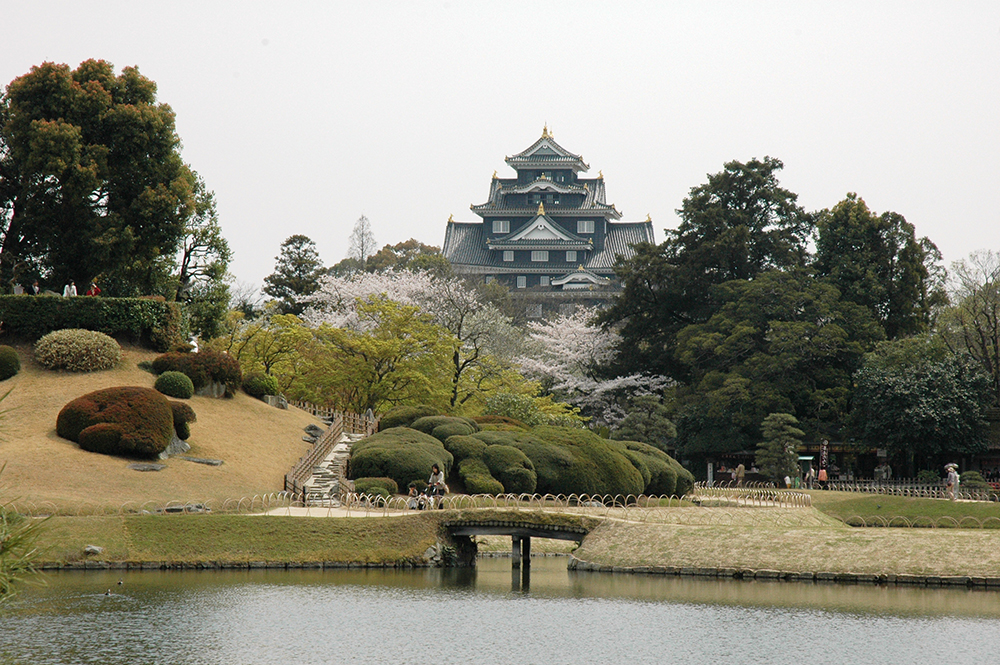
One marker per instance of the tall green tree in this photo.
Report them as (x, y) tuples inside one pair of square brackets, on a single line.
[(782, 342), (410, 255), (920, 401), (777, 455), (737, 225), (877, 261), (91, 179), (296, 274)]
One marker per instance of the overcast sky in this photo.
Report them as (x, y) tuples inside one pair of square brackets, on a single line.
[(302, 116)]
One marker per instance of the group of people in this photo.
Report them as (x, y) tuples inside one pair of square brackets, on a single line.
[(436, 488), (68, 291)]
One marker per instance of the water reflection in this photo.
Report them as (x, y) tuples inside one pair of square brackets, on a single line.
[(490, 614)]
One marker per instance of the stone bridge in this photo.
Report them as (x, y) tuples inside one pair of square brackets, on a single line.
[(520, 531)]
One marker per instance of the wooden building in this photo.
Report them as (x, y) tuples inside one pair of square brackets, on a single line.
[(547, 233)]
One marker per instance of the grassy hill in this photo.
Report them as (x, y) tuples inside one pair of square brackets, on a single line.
[(257, 443)]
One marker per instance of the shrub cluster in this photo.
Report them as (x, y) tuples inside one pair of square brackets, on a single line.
[(495, 454), (10, 362), (77, 350), (155, 324), (203, 368), (129, 421), (175, 384), (400, 453), (258, 384), (387, 486)]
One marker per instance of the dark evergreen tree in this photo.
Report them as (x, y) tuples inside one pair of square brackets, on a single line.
[(296, 274), (877, 261), (91, 180), (777, 455), (736, 226)]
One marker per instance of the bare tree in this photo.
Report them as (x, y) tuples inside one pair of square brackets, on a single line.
[(362, 241)]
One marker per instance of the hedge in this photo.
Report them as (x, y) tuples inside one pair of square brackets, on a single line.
[(258, 384), (400, 453), (464, 446), (457, 425), (151, 323), (129, 421)]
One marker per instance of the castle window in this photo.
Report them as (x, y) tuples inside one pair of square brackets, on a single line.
[(522, 281), (501, 226), (543, 280), (571, 256), (533, 311), (539, 255), (508, 255), (585, 226)]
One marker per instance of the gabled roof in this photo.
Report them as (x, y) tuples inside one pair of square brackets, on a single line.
[(546, 153), (580, 276), (541, 233)]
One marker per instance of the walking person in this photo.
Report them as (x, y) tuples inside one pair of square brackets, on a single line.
[(952, 482), (435, 485)]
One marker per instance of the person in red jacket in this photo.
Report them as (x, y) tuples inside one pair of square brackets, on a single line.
[(94, 290)]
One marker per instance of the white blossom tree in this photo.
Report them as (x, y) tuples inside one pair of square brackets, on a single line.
[(563, 354)]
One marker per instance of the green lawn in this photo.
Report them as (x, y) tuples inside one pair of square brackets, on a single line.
[(853, 507)]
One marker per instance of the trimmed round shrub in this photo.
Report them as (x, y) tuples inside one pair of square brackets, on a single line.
[(400, 453), (142, 418), (973, 480), (202, 368), (77, 350), (258, 384), (366, 485), (428, 424), (512, 468), (183, 417), (458, 428), (175, 384), (476, 477), (10, 362), (462, 447), (403, 416)]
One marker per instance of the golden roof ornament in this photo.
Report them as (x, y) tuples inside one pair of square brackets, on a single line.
[(545, 131), (649, 217), (600, 175), (451, 218), (541, 209), (494, 175)]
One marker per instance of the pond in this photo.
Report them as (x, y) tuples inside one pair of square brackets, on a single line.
[(486, 615)]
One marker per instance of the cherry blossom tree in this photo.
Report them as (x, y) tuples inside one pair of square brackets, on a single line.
[(564, 353)]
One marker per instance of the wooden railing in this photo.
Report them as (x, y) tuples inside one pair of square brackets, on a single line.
[(352, 423)]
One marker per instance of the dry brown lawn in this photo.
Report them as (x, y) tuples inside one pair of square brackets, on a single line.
[(827, 547), (258, 444)]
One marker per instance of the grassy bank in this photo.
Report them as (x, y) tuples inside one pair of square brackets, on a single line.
[(239, 538), (750, 542), (257, 444)]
